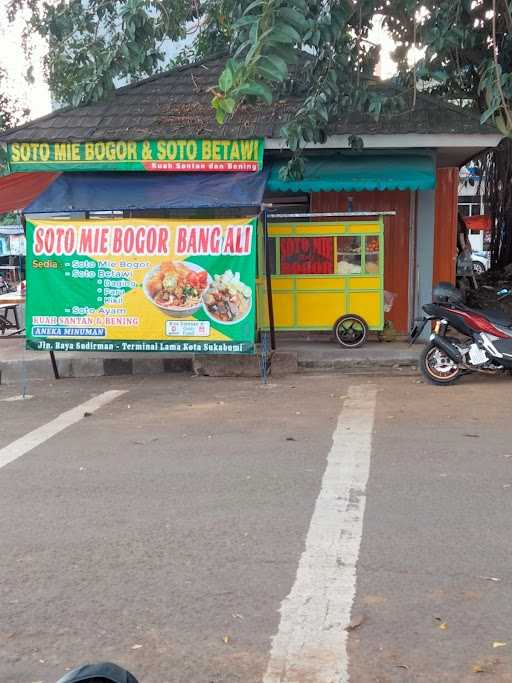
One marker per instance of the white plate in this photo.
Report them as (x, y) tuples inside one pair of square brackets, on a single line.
[(222, 322)]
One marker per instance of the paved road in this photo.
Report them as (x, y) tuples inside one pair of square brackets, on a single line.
[(176, 528)]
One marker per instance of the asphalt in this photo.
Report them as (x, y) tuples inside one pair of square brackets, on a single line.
[(164, 531)]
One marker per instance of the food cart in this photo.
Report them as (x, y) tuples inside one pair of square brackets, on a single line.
[(325, 275)]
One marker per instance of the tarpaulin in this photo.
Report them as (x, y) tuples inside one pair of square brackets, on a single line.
[(359, 172), (120, 191), (19, 189)]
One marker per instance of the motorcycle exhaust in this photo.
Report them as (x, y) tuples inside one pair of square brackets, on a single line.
[(450, 349)]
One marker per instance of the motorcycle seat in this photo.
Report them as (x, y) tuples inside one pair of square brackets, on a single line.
[(496, 317)]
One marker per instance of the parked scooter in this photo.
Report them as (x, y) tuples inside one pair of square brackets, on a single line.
[(483, 341)]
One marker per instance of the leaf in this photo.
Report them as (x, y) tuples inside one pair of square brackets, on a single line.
[(285, 34), (273, 67), (443, 626), (220, 116), (228, 104), (226, 78), (254, 4), (246, 20), (257, 89), (477, 669), (287, 53), (294, 17), (253, 33), (488, 113), (499, 643)]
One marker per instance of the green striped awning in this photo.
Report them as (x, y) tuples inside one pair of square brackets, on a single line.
[(359, 172)]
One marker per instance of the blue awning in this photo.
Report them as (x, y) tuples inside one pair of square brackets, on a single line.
[(125, 191), (361, 171)]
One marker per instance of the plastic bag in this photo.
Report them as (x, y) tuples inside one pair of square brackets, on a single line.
[(389, 300)]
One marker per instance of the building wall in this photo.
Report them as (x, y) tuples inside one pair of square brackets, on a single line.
[(425, 216), (396, 240), (445, 225)]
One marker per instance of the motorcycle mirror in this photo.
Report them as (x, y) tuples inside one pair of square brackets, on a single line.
[(104, 672)]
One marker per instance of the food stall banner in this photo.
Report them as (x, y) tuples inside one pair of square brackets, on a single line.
[(138, 155), (132, 285)]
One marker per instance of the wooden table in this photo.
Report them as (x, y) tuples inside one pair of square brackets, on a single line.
[(10, 302)]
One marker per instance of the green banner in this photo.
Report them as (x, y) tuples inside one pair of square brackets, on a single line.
[(143, 155), (141, 285)]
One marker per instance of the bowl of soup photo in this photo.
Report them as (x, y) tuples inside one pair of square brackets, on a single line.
[(176, 287)]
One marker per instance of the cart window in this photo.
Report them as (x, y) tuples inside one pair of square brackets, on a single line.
[(348, 255), (372, 248), (306, 255)]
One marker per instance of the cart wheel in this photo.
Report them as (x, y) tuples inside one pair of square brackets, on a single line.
[(351, 331)]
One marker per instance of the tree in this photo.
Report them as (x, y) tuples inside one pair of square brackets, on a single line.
[(10, 113), (10, 116), (317, 50), (467, 46)]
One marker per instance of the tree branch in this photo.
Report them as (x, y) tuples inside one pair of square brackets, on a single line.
[(507, 112)]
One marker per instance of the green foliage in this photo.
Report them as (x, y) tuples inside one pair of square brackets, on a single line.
[(315, 50), (467, 52), (93, 43), (10, 115)]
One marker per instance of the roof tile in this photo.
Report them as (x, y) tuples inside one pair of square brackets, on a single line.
[(177, 104)]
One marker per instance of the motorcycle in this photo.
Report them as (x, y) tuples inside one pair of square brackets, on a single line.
[(483, 341)]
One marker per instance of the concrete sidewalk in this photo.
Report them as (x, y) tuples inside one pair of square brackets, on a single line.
[(293, 354)]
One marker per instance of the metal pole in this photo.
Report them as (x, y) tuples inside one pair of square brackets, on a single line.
[(54, 365), (335, 214), (268, 276)]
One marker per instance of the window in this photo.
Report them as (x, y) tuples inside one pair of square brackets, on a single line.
[(372, 249), (306, 255), (348, 255)]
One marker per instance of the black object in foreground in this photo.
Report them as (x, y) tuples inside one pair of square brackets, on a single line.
[(105, 672)]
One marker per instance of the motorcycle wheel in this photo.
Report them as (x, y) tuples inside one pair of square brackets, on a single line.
[(437, 367)]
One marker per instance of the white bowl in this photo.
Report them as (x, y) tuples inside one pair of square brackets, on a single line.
[(222, 322), (176, 311)]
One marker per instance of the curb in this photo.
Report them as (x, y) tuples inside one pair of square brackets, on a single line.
[(282, 363)]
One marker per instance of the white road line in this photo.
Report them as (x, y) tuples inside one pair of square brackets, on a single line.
[(311, 643), (38, 436)]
